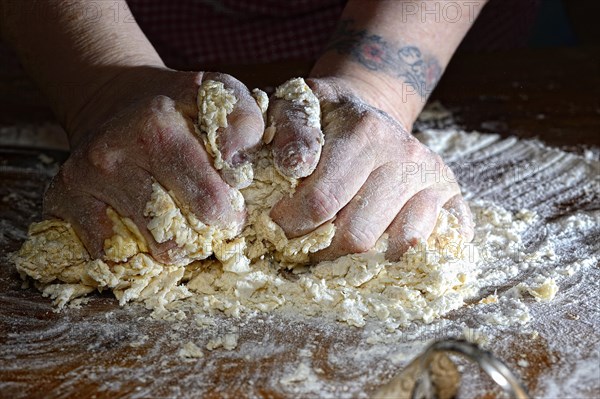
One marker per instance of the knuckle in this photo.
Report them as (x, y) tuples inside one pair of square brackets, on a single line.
[(66, 177), (214, 205), (105, 159), (372, 132), (356, 240), (414, 149), (321, 205), (160, 133), (53, 197), (161, 103), (428, 197), (196, 77), (249, 119), (366, 118), (325, 90)]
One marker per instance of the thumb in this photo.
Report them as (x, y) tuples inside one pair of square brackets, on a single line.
[(295, 116), (232, 124)]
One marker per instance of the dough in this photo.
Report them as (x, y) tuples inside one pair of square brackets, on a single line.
[(215, 102), (545, 291), (228, 341), (190, 351), (236, 274)]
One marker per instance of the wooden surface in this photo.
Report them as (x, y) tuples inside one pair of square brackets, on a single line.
[(102, 350)]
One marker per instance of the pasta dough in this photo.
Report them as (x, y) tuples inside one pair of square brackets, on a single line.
[(235, 274)]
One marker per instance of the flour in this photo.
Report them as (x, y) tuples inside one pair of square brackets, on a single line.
[(302, 373), (55, 253), (545, 291), (190, 351), (245, 274), (428, 282), (542, 225), (227, 341)]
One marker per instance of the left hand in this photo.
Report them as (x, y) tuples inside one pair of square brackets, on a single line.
[(373, 176)]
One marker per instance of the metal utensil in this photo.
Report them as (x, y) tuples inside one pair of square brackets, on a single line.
[(433, 375)]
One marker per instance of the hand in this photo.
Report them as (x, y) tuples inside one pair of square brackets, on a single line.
[(373, 176), (138, 129)]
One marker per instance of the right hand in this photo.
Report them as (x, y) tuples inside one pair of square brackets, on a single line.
[(372, 177), (139, 128)]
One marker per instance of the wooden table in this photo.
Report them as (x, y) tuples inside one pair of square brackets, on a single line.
[(102, 350)]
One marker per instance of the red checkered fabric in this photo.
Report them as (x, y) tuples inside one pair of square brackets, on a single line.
[(208, 32), (502, 25), (197, 33)]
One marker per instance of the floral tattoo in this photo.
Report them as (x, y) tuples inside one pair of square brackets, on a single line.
[(374, 53)]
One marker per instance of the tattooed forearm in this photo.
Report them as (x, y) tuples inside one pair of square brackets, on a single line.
[(372, 51)]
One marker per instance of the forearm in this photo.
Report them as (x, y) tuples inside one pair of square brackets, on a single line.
[(73, 48), (396, 51)]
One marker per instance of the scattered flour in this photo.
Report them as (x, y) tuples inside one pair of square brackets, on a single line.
[(261, 270), (228, 342), (190, 351), (302, 373), (528, 231)]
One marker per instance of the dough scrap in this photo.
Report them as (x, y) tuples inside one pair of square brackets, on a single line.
[(190, 351), (545, 291), (216, 269), (228, 342)]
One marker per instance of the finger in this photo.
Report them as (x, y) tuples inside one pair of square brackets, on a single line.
[(294, 113), (86, 215), (234, 139), (127, 189), (109, 174), (334, 183), (190, 173), (417, 219), (360, 224), (459, 208)]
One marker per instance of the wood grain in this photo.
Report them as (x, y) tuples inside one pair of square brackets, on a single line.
[(101, 351)]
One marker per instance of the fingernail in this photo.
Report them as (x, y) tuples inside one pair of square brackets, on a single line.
[(238, 158), (238, 177), (269, 134), (295, 159)]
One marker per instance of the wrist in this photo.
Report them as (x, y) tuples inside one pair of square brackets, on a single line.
[(391, 95)]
